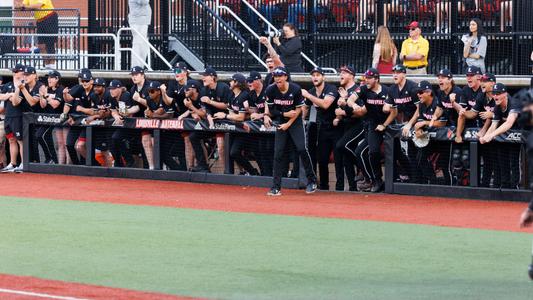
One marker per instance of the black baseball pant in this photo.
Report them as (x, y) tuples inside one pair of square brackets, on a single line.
[(508, 160), (328, 136), (347, 143), (196, 138), (121, 142), (296, 133), (44, 137), (238, 144), (73, 135), (173, 145)]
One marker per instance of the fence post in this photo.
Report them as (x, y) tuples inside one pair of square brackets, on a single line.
[(157, 149), (474, 164), (456, 56), (89, 144)]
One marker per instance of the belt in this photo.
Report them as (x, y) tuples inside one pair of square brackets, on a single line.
[(416, 68)]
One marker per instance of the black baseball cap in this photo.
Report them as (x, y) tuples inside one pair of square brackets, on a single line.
[(317, 70), (239, 78), (280, 71), (154, 85), (348, 69), (86, 76), (372, 73), (83, 70), (115, 83), (399, 68), (18, 68), (254, 75), (209, 72), (180, 66), (445, 73), (488, 77), (54, 73), (423, 86), (193, 84), (99, 81), (499, 88), (30, 70), (473, 70), (136, 70)]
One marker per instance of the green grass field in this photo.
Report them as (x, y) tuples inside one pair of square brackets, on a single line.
[(250, 256)]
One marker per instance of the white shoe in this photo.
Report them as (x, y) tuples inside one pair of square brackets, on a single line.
[(10, 168), (19, 169)]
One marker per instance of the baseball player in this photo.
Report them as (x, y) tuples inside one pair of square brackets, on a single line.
[(488, 153), (285, 103), (30, 93), (139, 94), (53, 98)]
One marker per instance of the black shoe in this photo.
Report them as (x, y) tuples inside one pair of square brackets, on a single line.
[(377, 186), (324, 187), (364, 186), (339, 187), (311, 188), (200, 169), (352, 189), (274, 192)]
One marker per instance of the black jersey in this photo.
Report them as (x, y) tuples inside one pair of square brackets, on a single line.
[(56, 94), (14, 111), (349, 119), (100, 102), (124, 101), (221, 93), (487, 104), (34, 92), (143, 92), (153, 105), (513, 106), (81, 98), (374, 103), (279, 103), (176, 91), (325, 116), (473, 100), (238, 103), (446, 104), (258, 101), (406, 100), (426, 112)]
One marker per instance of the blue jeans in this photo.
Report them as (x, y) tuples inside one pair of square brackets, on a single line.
[(295, 11)]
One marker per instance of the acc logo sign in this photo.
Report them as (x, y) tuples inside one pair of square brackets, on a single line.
[(514, 136)]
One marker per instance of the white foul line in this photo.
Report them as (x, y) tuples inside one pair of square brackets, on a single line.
[(38, 295)]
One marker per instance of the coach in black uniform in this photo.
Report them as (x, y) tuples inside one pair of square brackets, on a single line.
[(237, 112), (122, 106), (174, 141), (351, 124), (264, 149), (423, 117), (78, 102), (324, 97), (31, 96), (488, 153), (403, 94), (505, 118), (285, 103), (14, 106), (380, 112), (472, 104)]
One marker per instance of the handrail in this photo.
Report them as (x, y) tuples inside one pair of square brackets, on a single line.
[(269, 26), (118, 48), (249, 29)]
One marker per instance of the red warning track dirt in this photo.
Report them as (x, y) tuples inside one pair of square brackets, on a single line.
[(495, 215), (21, 287)]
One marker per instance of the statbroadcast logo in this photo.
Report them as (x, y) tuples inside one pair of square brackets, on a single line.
[(172, 124), (264, 129), (147, 123), (514, 137), (223, 126), (48, 119)]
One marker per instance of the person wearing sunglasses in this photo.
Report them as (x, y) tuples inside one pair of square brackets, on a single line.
[(415, 49)]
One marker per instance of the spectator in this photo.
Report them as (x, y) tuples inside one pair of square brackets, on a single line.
[(297, 13), (506, 115), (415, 51), (365, 8), (139, 18), (47, 23), (385, 52), (291, 48), (475, 45)]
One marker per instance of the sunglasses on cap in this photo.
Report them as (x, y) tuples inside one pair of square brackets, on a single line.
[(178, 71), (422, 91), (86, 81)]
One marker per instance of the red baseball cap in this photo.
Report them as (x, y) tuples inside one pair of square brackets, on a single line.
[(412, 25)]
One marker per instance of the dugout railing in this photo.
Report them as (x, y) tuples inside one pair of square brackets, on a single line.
[(156, 126), (392, 185)]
